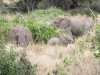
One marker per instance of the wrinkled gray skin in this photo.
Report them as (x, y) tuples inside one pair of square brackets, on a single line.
[(62, 41), (61, 22), (20, 35), (79, 27), (74, 27)]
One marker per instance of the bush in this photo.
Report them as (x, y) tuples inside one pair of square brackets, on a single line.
[(88, 12), (96, 42), (4, 28), (36, 21), (41, 33), (8, 66), (63, 4), (59, 71), (96, 6), (43, 16)]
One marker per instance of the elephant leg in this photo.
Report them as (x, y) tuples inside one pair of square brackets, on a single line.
[(69, 32), (17, 40), (26, 39)]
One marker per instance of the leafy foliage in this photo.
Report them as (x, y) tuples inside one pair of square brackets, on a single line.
[(59, 71), (8, 65), (41, 33), (4, 28), (36, 21), (96, 42), (88, 12)]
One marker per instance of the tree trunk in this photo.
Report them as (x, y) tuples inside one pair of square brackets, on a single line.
[(1, 3)]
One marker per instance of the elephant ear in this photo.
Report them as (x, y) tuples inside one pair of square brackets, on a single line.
[(28, 35), (12, 35), (59, 19), (57, 22), (64, 23), (63, 39)]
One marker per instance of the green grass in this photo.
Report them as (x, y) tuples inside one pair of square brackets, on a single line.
[(37, 21)]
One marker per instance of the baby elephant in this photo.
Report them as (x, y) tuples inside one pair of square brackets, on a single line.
[(20, 35), (62, 41)]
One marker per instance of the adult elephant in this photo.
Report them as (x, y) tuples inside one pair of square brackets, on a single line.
[(79, 26), (20, 35), (73, 26)]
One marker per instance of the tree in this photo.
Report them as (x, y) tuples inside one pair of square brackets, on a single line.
[(30, 4), (1, 3)]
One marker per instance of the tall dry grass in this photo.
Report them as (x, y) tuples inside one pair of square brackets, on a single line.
[(49, 58), (80, 60)]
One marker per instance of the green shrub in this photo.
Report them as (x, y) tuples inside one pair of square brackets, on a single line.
[(42, 32), (88, 12), (37, 22), (96, 6), (44, 16), (96, 42), (4, 28), (59, 71), (8, 66)]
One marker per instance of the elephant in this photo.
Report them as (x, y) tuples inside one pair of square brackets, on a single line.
[(62, 41), (79, 26), (73, 26), (20, 35), (61, 22)]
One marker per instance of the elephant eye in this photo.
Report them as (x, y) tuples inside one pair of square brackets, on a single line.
[(55, 22), (90, 26), (25, 37), (16, 36), (86, 28)]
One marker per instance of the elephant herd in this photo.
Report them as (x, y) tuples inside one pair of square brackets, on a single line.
[(74, 27)]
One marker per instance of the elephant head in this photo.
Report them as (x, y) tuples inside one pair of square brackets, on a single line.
[(61, 22), (20, 35), (65, 40)]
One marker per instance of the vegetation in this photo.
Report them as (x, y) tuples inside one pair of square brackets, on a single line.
[(30, 5), (36, 23), (9, 65), (71, 59), (96, 39)]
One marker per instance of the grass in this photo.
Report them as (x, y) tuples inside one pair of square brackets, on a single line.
[(75, 59), (62, 60)]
